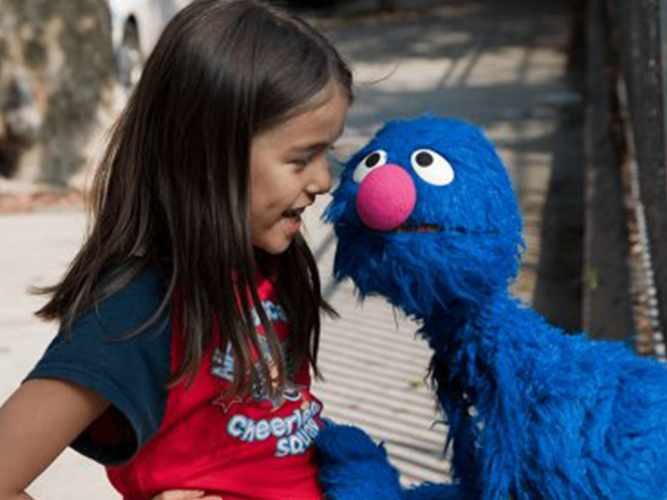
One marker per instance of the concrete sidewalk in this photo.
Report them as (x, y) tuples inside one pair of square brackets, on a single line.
[(498, 63)]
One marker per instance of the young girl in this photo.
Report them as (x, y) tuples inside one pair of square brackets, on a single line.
[(190, 317)]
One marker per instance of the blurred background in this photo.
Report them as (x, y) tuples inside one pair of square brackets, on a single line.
[(571, 91)]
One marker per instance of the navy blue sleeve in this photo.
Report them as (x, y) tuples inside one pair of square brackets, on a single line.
[(131, 374)]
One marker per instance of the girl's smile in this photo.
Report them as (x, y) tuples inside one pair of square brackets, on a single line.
[(289, 168)]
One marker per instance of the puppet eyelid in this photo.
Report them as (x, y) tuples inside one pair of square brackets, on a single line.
[(372, 160)]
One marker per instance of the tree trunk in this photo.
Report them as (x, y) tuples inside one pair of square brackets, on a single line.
[(56, 71)]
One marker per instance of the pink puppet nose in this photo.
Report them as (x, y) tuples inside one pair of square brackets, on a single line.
[(386, 198)]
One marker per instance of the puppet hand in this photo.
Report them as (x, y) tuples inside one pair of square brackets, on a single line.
[(353, 467)]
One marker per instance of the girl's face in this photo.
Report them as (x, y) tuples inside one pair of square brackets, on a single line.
[(289, 168)]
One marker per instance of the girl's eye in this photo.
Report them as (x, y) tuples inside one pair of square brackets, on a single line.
[(372, 160), (432, 167)]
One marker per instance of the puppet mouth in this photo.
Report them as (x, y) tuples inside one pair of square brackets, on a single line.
[(422, 228), (428, 228)]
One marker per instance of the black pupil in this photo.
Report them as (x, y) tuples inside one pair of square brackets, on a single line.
[(424, 159), (372, 160)]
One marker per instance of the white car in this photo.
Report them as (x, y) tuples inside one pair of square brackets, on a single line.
[(135, 27)]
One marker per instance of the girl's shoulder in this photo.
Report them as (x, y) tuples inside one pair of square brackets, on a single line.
[(120, 350), (139, 303), (130, 326)]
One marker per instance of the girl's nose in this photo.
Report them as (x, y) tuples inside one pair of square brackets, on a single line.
[(386, 198), (322, 179)]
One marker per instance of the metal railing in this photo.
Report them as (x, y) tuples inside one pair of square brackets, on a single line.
[(626, 144)]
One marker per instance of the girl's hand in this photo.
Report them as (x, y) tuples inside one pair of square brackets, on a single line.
[(186, 495)]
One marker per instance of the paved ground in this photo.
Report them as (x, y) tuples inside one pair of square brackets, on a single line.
[(499, 63)]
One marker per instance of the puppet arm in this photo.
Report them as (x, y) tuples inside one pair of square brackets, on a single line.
[(353, 467)]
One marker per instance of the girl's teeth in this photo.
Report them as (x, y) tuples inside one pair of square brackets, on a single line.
[(293, 212)]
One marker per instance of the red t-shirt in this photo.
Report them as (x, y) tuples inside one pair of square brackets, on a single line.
[(239, 448), (190, 437)]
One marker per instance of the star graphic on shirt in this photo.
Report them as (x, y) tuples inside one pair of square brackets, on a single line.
[(226, 402)]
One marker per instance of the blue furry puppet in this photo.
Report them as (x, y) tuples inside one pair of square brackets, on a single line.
[(426, 217)]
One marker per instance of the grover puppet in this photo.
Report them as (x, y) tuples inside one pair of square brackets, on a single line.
[(426, 217)]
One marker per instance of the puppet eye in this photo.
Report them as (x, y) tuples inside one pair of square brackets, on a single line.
[(432, 167), (372, 160)]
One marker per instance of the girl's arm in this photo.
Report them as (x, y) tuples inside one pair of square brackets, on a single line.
[(36, 424)]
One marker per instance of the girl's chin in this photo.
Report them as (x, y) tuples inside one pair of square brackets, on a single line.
[(274, 249), (279, 238)]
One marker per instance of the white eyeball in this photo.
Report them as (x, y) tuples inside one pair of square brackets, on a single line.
[(371, 161), (432, 167)]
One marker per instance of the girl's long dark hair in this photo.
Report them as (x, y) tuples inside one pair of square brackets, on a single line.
[(173, 187)]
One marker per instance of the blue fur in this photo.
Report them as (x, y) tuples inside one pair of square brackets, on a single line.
[(533, 414), (347, 459), (353, 467)]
